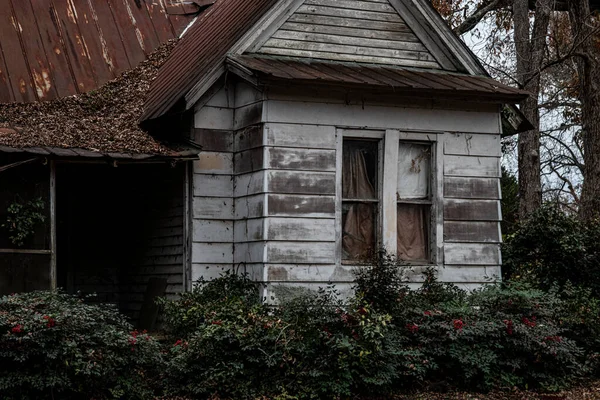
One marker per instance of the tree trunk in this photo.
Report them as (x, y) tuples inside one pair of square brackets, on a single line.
[(530, 52), (588, 58)]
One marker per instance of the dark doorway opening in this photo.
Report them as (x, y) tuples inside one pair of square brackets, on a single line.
[(120, 232)]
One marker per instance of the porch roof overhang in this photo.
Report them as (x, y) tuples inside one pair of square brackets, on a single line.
[(401, 81), (167, 152)]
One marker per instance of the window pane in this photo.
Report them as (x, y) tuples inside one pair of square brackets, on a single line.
[(413, 232), (413, 171), (359, 169), (358, 230)]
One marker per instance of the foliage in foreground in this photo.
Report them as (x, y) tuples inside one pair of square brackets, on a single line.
[(386, 338), (57, 346), (223, 341)]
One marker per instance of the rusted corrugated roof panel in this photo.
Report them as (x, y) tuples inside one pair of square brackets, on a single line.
[(56, 48), (377, 76), (94, 124), (202, 49)]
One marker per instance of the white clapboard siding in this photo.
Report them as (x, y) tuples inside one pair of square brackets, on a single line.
[(212, 227), (470, 274), (300, 252), (470, 144), (309, 273), (249, 252), (471, 166), (301, 135), (301, 159), (472, 210), (471, 254), (349, 30), (301, 229), (250, 206), (218, 253), (380, 117), (471, 188), (249, 230), (307, 206), (220, 208)]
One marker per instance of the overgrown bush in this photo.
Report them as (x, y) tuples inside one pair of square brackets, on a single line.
[(57, 346), (311, 345), (553, 248), (503, 335)]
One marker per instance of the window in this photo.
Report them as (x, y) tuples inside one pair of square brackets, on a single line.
[(387, 194)]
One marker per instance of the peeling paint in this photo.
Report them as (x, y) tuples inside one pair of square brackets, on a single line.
[(57, 50), (138, 33), (72, 11), (22, 86), (105, 51), (43, 83), (16, 24)]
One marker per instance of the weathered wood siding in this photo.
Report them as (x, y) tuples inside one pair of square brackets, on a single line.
[(228, 194), (472, 214), (265, 197), (300, 134), (212, 184), (349, 30)]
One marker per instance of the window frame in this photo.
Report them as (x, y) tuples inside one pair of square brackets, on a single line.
[(389, 141)]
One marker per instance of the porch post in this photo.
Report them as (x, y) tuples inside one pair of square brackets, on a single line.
[(52, 225)]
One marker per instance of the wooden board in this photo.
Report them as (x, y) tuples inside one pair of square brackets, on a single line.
[(250, 206), (301, 136), (249, 160), (380, 117), (213, 139), (469, 144), (469, 231), (212, 231), (212, 207), (214, 118), (471, 188), (213, 185), (300, 252), (471, 254), (472, 166), (471, 210), (344, 30), (297, 182), (249, 230), (301, 159), (301, 229), (219, 253), (301, 205)]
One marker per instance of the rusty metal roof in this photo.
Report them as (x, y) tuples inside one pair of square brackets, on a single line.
[(100, 123), (55, 48), (202, 49), (399, 80)]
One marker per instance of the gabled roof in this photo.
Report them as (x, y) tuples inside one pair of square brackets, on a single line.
[(202, 49), (231, 26)]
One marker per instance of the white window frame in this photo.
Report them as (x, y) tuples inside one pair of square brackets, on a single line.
[(389, 141)]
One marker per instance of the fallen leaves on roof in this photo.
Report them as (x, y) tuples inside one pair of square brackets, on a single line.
[(102, 120)]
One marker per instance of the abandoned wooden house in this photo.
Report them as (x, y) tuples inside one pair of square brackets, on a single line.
[(328, 129)]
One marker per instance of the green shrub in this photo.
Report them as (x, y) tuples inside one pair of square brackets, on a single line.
[(57, 346), (312, 345), (502, 335), (553, 248)]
